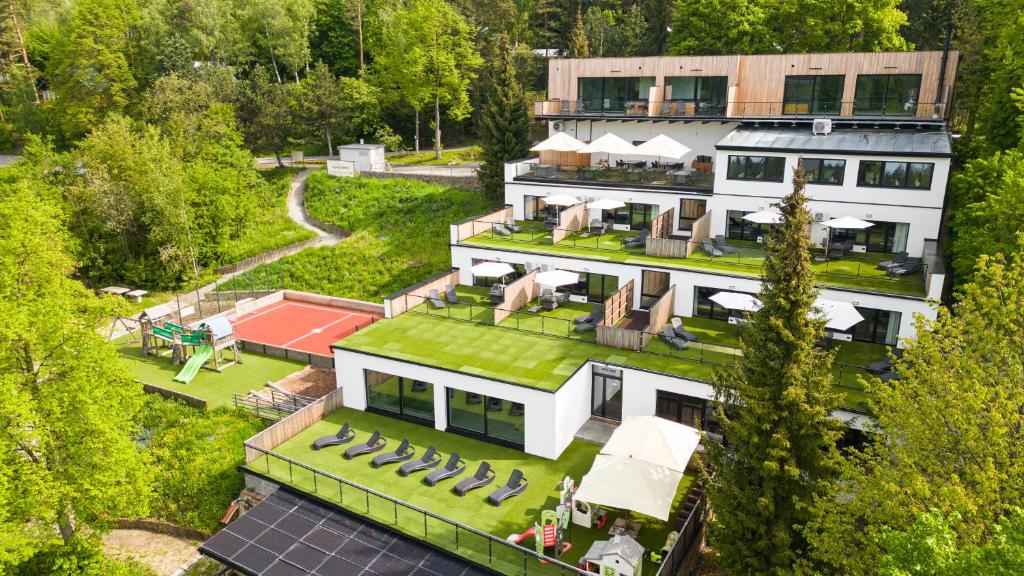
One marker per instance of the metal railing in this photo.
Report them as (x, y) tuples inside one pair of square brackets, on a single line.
[(689, 533), (893, 109), (657, 175), (474, 545), (278, 406)]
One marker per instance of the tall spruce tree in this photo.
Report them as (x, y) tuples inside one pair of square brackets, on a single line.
[(505, 124), (774, 408), (579, 46)]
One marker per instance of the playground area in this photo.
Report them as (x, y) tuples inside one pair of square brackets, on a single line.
[(301, 326)]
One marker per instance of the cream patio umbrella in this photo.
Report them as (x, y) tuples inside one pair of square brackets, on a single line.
[(845, 223), (655, 441), (630, 484), (764, 217), (609, 144), (662, 146), (736, 301), (838, 315), (492, 269), (559, 142), (556, 278)]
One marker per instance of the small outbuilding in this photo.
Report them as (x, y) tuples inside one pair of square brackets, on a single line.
[(620, 556), (366, 157)]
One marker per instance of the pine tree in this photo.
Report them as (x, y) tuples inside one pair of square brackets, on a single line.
[(579, 47), (505, 124), (774, 408)]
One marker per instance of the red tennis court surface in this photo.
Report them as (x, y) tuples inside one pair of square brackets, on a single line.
[(301, 325)]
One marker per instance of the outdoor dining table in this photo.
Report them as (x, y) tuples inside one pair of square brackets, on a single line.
[(622, 526)]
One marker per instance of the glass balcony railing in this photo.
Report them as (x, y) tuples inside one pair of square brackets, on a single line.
[(639, 173), (863, 107)]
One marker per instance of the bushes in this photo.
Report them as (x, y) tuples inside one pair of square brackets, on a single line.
[(400, 234)]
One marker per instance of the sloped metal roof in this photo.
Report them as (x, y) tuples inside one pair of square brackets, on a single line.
[(868, 142)]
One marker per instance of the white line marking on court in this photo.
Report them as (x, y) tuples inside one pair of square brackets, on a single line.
[(316, 330)]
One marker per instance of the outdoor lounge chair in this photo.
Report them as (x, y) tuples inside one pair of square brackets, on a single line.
[(344, 436), (897, 259), (401, 454), (885, 364), (637, 241), (435, 299), (374, 444), (708, 246), (594, 315), (484, 476), (677, 327), (909, 267), (452, 468), (585, 327), (674, 341), (497, 293), (500, 229), (450, 295), (719, 242), (511, 226), (548, 299), (514, 487), (430, 459)]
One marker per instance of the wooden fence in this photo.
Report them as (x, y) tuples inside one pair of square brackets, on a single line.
[(622, 338), (701, 231), (517, 294), (661, 312), (398, 303), (268, 256), (570, 220), (479, 224), (162, 527), (552, 158), (618, 305), (281, 432), (662, 225), (668, 248), (175, 395)]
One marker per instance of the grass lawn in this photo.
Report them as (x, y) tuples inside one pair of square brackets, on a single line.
[(513, 516), (848, 273), (214, 387), (400, 235), (448, 157)]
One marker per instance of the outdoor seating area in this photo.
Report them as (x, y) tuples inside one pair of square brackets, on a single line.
[(646, 173), (522, 484)]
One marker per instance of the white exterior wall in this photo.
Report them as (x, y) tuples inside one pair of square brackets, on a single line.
[(685, 282)]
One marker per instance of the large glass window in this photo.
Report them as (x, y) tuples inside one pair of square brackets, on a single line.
[(705, 308), (878, 326), (487, 417), (606, 393), (763, 168), (400, 396), (881, 237), (886, 174), (636, 216), (653, 285), (702, 95), (679, 408), (819, 95), (612, 94), (596, 287), (824, 171), (887, 94), (739, 229), (690, 210)]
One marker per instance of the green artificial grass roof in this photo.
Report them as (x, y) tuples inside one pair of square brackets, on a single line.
[(857, 273), (216, 388), (514, 516)]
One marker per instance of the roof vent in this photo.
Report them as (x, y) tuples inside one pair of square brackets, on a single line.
[(822, 126)]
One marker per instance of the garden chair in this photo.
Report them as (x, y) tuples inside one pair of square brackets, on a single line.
[(344, 435), (484, 476), (401, 454), (450, 295), (637, 241), (374, 444), (429, 460), (720, 243), (595, 314), (514, 487), (435, 299), (677, 327), (709, 248), (455, 466), (672, 340)]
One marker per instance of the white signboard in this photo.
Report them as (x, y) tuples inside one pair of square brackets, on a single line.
[(341, 168)]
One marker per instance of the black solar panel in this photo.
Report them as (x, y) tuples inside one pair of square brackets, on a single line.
[(289, 534)]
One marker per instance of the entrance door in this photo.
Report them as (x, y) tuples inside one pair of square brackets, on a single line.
[(606, 393)]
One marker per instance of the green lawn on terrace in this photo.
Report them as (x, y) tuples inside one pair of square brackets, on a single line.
[(400, 235), (216, 388), (514, 516), (608, 247), (427, 158)]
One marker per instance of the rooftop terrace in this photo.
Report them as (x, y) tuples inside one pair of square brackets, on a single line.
[(541, 350), (512, 517), (858, 272)]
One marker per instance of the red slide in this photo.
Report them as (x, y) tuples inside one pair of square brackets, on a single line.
[(520, 537)]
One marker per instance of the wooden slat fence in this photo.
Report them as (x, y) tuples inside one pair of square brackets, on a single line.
[(570, 220), (700, 232), (517, 294), (668, 248), (662, 225), (661, 312), (399, 302), (275, 435), (269, 256), (480, 224), (622, 338)]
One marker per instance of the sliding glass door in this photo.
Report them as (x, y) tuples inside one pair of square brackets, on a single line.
[(486, 417), (404, 397)]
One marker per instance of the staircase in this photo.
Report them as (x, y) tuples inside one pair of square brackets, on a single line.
[(277, 406)]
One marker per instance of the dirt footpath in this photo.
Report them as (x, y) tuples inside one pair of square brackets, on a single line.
[(161, 552)]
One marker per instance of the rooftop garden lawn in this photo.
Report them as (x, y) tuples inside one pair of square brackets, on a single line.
[(216, 388), (514, 516), (448, 157), (400, 235), (608, 247)]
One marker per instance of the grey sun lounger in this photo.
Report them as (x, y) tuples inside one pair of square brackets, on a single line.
[(637, 241), (681, 331), (709, 248), (511, 226), (514, 487), (668, 335), (719, 242), (585, 327), (374, 444), (429, 460), (452, 468), (401, 454), (484, 476), (435, 299), (500, 229), (593, 316), (344, 436), (450, 295)]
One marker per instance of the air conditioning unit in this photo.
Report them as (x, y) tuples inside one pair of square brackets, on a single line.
[(557, 126), (822, 126), (820, 216)]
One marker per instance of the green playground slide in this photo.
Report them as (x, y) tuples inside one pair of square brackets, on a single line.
[(194, 364)]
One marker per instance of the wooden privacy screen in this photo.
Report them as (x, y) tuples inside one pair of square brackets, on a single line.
[(701, 231), (570, 220), (517, 294), (621, 338), (618, 304), (552, 158), (661, 226), (667, 248), (282, 431), (661, 311), (416, 294), (479, 224)]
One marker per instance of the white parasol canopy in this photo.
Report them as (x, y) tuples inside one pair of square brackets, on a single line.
[(838, 315), (557, 278), (848, 222), (560, 200), (605, 204), (654, 440), (630, 484), (492, 269), (764, 217), (609, 144), (559, 142), (663, 147), (736, 301)]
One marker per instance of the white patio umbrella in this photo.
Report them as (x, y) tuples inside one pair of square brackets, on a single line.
[(663, 147), (560, 200), (609, 144), (630, 484), (736, 301), (764, 217), (556, 278), (838, 315), (605, 204), (654, 440), (559, 142), (846, 223), (492, 269)]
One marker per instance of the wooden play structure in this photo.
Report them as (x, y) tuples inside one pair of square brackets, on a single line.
[(206, 343)]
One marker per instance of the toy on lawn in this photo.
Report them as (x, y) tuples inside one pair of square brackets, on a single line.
[(583, 514), (620, 556), (658, 556), (550, 533)]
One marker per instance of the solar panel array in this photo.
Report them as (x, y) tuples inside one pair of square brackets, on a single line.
[(289, 535)]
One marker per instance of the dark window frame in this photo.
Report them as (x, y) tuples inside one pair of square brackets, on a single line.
[(685, 223), (746, 168), (813, 103), (485, 435), (817, 175), (872, 110), (682, 402), (401, 414), (861, 169)]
